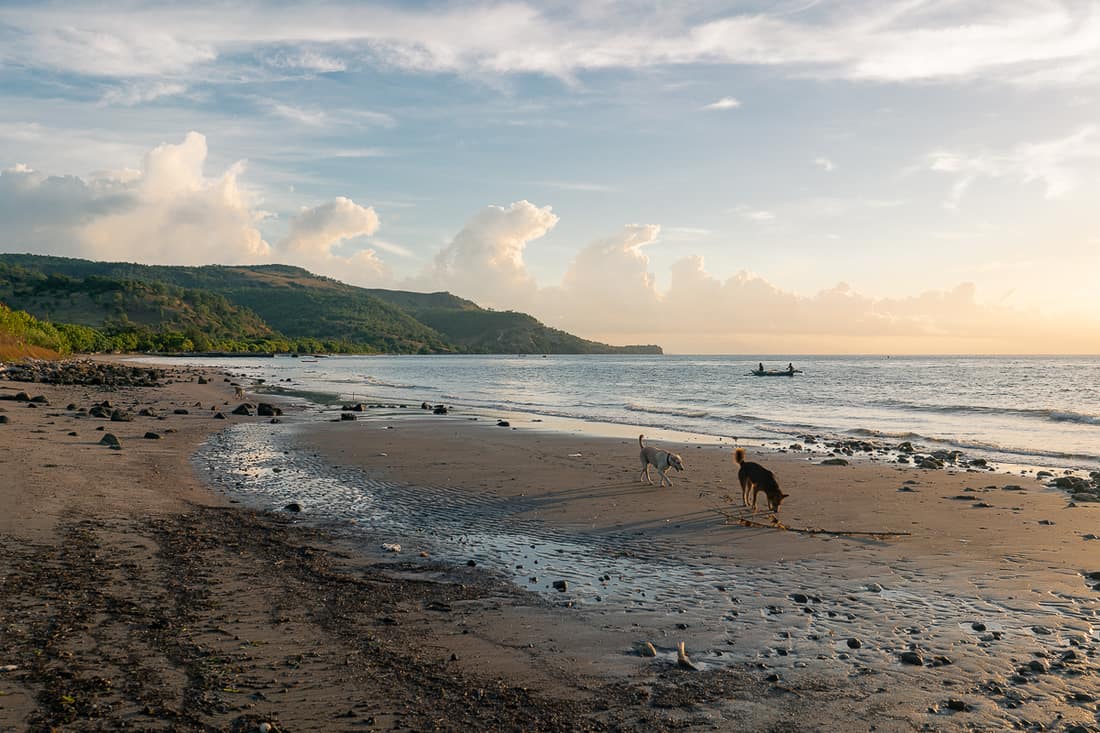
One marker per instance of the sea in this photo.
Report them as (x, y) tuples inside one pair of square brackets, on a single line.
[(1013, 411)]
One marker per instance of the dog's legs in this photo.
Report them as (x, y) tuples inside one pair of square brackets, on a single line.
[(664, 477), (645, 474)]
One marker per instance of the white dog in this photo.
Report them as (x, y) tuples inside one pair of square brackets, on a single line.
[(662, 460)]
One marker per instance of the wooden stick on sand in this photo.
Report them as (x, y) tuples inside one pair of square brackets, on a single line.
[(745, 521)]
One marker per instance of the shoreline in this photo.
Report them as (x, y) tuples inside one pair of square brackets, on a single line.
[(1016, 440), (325, 630)]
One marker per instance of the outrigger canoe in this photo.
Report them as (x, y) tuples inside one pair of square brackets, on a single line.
[(775, 373)]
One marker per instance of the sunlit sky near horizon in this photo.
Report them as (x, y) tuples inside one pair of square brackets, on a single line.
[(902, 176)]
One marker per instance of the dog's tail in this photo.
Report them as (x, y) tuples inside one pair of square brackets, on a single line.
[(739, 455), (640, 443)]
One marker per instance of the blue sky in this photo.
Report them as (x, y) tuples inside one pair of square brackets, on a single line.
[(896, 176)]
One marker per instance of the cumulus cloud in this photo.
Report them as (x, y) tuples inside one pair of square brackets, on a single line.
[(608, 280), (485, 259), (824, 164), (178, 215), (316, 233), (167, 212)]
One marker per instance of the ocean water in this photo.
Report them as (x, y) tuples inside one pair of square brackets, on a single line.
[(1020, 411)]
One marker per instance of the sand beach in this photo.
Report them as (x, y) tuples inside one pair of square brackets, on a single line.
[(538, 585)]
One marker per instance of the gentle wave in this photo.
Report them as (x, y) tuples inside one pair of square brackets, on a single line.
[(1032, 413), (678, 412)]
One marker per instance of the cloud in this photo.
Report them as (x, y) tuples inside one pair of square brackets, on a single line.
[(140, 92), (485, 259), (897, 41), (723, 103), (608, 280), (166, 212), (315, 231), (316, 237), (753, 215), (1056, 164), (824, 164)]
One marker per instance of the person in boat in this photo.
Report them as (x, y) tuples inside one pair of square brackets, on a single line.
[(790, 367), (760, 366)]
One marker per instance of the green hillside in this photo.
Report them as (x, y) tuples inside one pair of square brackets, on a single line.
[(22, 335), (286, 307)]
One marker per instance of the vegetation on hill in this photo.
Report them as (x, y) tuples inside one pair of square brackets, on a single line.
[(22, 336), (266, 308)]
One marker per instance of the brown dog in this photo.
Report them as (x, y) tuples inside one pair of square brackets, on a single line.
[(756, 478)]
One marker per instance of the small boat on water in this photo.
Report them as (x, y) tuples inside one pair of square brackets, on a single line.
[(775, 373)]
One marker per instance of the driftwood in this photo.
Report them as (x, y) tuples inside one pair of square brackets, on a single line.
[(745, 520)]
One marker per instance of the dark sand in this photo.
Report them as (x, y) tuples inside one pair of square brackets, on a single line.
[(132, 596)]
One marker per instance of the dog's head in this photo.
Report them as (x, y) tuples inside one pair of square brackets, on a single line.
[(675, 461), (774, 506)]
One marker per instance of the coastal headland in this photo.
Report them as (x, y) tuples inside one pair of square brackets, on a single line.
[(537, 584)]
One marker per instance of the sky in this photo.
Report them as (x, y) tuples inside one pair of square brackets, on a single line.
[(872, 176)]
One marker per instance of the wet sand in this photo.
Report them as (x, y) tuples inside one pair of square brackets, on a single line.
[(131, 594)]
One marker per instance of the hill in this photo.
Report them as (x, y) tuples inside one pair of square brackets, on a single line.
[(274, 304)]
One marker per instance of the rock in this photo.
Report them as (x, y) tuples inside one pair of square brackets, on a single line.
[(111, 441), (834, 462), (503, 424), (220, 416), (561, 586), (854, 643), (912, 658), (425, 406), (978, 462), (439, 410), (293, 507), (1071, 483), (357, 407), (978, 626), (40, 400), (4, 419), (347, 415), (180, 411), (930, 463), (874, 587), (391, 547), (799, 598), (147, 412), (121, 416), (905, 447), (21, 397), (99, 411), (203, 380), (471, 563), (266, 409), (152, 436), (1041, 630), (243, 409), (957, 705)]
